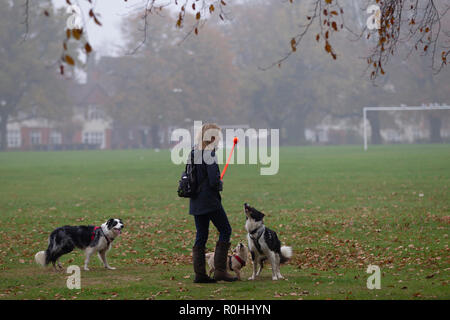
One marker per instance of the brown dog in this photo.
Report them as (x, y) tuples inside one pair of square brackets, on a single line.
[(235, 262)]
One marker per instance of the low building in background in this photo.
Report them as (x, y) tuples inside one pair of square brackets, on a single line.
[(89, 127)]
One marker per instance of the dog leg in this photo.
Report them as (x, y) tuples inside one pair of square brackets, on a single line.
[(261, 266), (210, 260), (255, 262), (273, 263), (278, 267), (102, 255), (54, 266), (89, 251), (238, 274)]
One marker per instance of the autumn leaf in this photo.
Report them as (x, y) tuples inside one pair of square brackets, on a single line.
[(334, 26), (77, 33), (180, 19), (97, 21), (293, 44), (88, 48), (69, 60)]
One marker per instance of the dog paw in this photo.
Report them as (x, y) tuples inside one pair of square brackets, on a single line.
[(251, 278), (110, 268), (86, 269)]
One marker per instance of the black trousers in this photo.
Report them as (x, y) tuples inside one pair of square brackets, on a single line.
[(219, 219)]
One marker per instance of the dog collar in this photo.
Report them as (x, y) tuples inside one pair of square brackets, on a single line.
[(242, 262), (255, 230), (107, 239), (230, 261)]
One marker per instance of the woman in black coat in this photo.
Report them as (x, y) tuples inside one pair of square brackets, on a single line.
[(206, 206)]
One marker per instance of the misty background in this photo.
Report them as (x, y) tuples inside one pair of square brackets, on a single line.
[(135, 89)]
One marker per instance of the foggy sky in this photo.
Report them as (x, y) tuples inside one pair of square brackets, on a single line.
[(108, 39)]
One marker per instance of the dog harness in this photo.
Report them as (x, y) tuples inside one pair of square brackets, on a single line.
[(230, 258), (93, 233), (256, 239), (101, 230)]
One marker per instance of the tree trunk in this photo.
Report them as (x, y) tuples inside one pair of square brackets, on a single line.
[(3, 131), (155, 136), (375, 127), (301, 131), (435, 129)]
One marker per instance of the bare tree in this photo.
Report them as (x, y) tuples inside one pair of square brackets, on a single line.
[(421, 26)]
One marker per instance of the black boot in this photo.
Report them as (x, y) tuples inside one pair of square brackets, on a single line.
[(220, 262), (198, 257)]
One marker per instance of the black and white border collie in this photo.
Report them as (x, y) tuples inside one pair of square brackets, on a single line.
[(263, 244), (89, 238)]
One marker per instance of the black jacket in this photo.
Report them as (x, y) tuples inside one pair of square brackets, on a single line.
[(208, 176)]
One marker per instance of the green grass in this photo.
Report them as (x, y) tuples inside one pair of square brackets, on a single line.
[(340, 209)]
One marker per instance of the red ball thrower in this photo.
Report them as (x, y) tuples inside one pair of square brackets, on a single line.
[(235, 141)]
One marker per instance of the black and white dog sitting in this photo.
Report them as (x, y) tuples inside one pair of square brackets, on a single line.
[(89, 238), (263, 244)]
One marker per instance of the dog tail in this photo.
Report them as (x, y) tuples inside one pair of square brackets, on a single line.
[(286, 254), (45, 257), (40, 258)]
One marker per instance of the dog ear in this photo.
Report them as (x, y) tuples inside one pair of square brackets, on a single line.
[(257, 215), (109, 223), (260, 213)]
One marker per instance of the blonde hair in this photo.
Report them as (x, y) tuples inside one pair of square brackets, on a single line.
[(208, 138)]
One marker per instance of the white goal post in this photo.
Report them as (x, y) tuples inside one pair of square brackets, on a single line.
[(424, 108)]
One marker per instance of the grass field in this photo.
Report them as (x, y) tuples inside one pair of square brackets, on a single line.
[(339, 208)]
